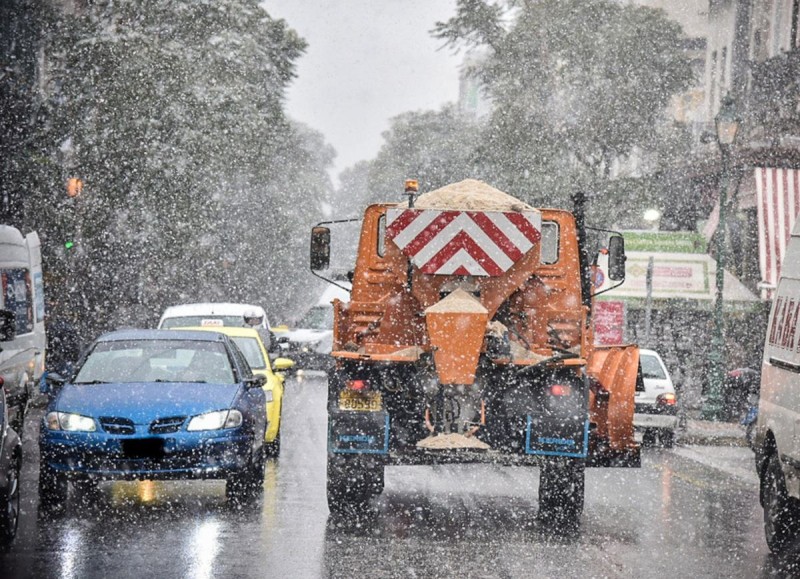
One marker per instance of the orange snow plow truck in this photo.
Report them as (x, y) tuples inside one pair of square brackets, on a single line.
[(469, 337)]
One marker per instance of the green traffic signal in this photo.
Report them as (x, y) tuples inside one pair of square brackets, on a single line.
[(69, 245)]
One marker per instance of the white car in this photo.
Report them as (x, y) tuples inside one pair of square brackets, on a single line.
[(310, 341), (212, 314), (220, 314), (655, 411)]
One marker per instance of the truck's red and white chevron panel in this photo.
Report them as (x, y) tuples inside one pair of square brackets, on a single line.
[(481, 243)]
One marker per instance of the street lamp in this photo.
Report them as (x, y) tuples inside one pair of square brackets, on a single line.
[(727, 125), (651, 216)]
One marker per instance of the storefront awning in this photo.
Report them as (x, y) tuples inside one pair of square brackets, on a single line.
[(778, 203)]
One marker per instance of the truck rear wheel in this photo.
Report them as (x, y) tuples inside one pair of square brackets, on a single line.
[(352, 482), (561, 491)]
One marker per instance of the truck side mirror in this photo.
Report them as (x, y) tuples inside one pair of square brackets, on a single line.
[(320, 248), (8, 326), (616, 258)]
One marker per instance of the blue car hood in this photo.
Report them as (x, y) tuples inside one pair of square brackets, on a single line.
[(143, 402)]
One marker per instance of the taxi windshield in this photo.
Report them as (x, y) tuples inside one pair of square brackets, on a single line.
[(251, 350)]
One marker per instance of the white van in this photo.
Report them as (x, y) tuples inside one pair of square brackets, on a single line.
[(777, 437), (22, 332)]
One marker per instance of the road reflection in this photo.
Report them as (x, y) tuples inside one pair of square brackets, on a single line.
[(446, 535), (202, 548), (70, 553), (269, 509)]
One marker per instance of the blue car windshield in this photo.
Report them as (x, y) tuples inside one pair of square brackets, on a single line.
[(157, 361)]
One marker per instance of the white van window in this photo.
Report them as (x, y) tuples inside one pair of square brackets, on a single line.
[(17, 297), (38, 286), (783, 337)]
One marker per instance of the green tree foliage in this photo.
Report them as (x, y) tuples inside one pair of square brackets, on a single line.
[(353, 191), (21, 26), (195, 181), (435, 147), (578, 87)]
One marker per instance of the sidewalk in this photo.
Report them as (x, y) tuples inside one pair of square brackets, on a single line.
[(709, 433)]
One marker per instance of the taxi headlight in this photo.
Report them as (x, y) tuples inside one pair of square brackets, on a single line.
[(70, 422), (216, 420)]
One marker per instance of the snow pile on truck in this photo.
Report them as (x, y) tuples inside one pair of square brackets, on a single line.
[(470, 195)]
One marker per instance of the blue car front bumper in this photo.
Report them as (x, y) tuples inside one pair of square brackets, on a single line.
[(180, 455)]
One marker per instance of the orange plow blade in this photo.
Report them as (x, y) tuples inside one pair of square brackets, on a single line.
[(616, 368)]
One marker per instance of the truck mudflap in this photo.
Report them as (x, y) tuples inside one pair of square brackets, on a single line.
[(616, 369), (358, 433), (548, 437)]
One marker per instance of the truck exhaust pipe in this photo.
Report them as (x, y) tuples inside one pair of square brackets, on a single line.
[(579, 211)]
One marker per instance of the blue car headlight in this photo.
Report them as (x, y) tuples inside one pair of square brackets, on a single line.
[(216, 420), (70, 422)]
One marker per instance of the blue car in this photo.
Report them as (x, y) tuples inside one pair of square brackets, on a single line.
[(157, 405)]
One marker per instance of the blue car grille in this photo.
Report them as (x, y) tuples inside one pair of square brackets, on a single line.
[(117, 425), (167, 425), (114, 425)]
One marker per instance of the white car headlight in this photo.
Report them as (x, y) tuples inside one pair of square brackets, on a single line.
[(70, 422), (216, 420)]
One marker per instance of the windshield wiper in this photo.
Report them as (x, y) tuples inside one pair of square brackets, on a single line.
[(93, 382)]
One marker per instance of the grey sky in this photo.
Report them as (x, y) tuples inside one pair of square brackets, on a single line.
[(367, 61)]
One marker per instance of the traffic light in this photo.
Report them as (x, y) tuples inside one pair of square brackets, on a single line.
[(74, 187), (68, 245)]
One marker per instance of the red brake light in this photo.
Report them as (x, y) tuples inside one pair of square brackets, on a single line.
[(666, 399), (560, 390), (357, 385)]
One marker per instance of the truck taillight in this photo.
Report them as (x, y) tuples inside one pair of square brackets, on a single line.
[(560, 390), (357, 385), (666, 399)]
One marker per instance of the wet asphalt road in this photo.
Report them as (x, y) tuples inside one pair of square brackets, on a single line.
[(674, 517)]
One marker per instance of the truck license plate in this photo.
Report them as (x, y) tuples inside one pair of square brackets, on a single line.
[(361, 401)]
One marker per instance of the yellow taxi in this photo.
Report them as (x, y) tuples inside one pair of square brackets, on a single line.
[(250, 343)]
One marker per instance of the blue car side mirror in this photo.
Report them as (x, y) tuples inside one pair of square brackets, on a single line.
[(51, 382)]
